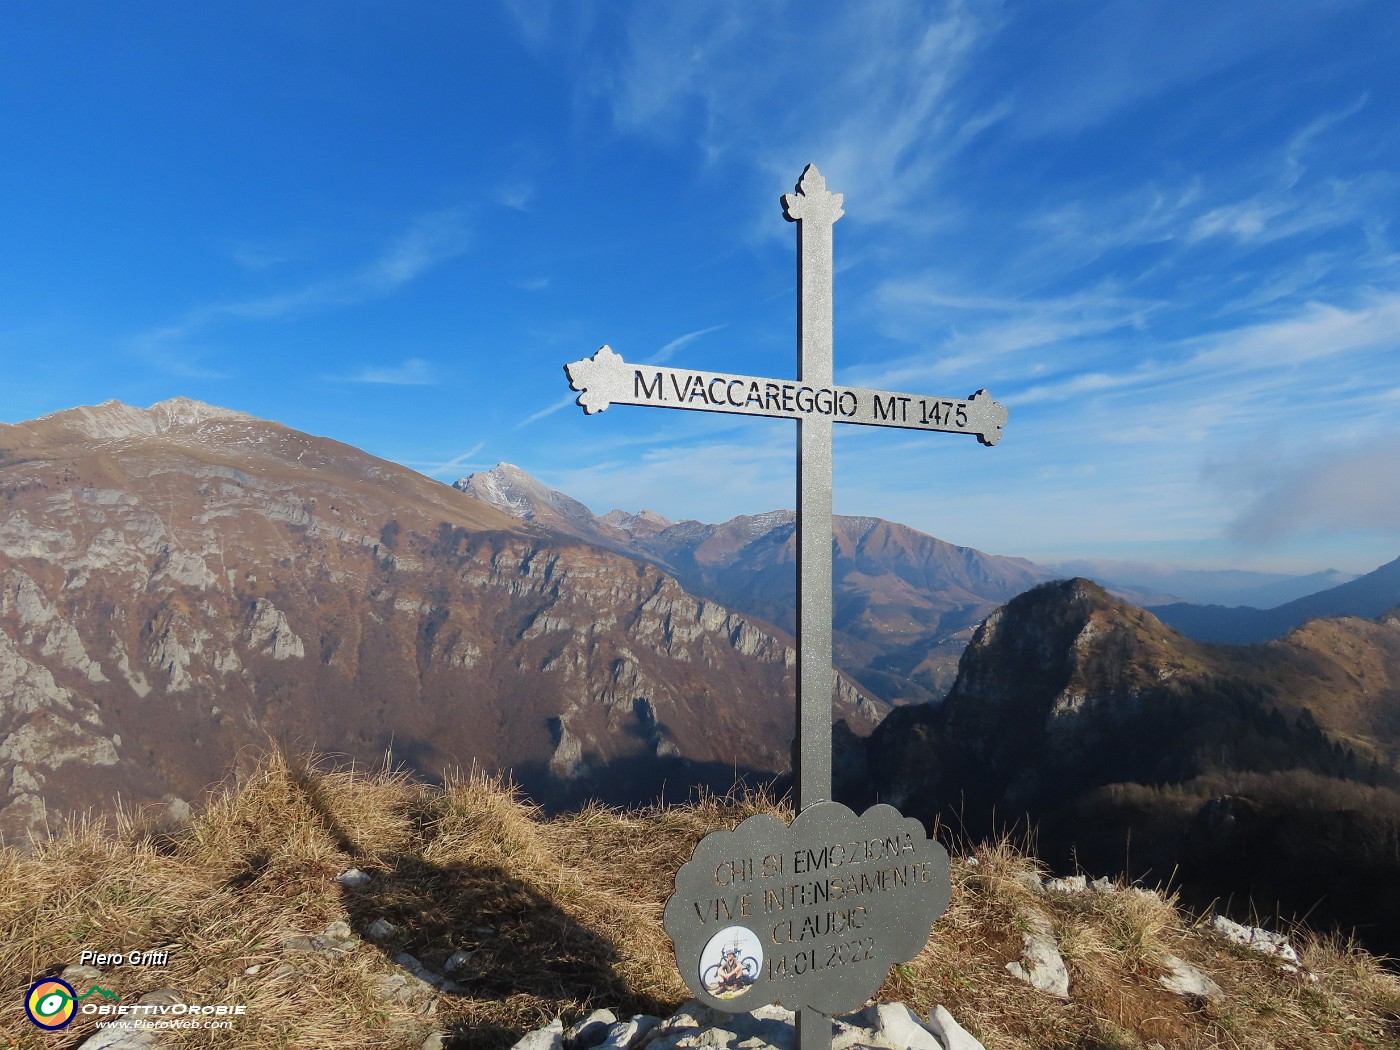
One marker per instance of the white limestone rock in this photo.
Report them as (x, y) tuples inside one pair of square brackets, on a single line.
[(591, 1031), (268, 632), (951, 1034), (422, 973), (550, 1037), (1041, 964), (628, 1033), (457, 962), (566, 762), (335, 939), (1031, 881), (121, 1035), (29, 686), (1181, 978), (176, 812), (353, 879), (184, 566), (1263, 941), (889, 1025), (49, 740), (381, 929), (124, 1033)]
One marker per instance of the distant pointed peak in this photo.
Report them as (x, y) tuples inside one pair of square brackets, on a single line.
[(513, 490), (502, 473)]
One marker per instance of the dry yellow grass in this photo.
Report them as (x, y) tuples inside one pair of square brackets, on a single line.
[(564, 915)]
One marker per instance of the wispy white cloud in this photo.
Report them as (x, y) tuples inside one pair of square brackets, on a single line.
[(549, 410), (455, 467), (1198, 226), (664, 354), (184, 363), (1302, 141), (252, 255), (865, 88), (1279, 374), (1315, 332), (428, 241), (960, 333), (533, 284), (1285, 211), (1075, 386), (413, 371), (1096, 61), (1084, 230), (515, 195)]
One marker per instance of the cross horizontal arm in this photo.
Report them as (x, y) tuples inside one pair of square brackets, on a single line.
[(606, 379)]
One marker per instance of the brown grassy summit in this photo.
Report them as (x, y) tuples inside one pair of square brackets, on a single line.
[(554, 917)]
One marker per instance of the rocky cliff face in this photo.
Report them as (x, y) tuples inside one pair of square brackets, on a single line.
[(1270, 771), (182, 583), (1045, 679), (905, 603)]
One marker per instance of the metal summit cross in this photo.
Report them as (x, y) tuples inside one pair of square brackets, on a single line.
[(879, 874)]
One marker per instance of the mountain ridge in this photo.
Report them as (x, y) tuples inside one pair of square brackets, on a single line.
[(181, 582), (905, 602)]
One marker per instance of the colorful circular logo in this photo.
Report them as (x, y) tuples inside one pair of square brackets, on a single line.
[(51, 1004)]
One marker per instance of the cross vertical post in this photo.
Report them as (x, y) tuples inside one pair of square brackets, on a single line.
[(815, 209)]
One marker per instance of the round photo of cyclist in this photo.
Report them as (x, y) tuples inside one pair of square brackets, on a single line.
[(730, 962)]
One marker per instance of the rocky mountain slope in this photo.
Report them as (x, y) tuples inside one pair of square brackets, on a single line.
[(905, 603), (179, 582), (1270, 771), (1368, 595)]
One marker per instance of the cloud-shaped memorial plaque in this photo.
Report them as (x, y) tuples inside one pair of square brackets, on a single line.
[(812, 915)]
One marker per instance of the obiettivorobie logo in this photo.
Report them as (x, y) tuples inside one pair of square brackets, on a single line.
[(52, 1004)]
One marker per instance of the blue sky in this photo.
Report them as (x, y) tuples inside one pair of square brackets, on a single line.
[(1164, 234)]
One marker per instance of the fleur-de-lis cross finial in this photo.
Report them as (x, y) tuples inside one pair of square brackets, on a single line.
[(812, 200)]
